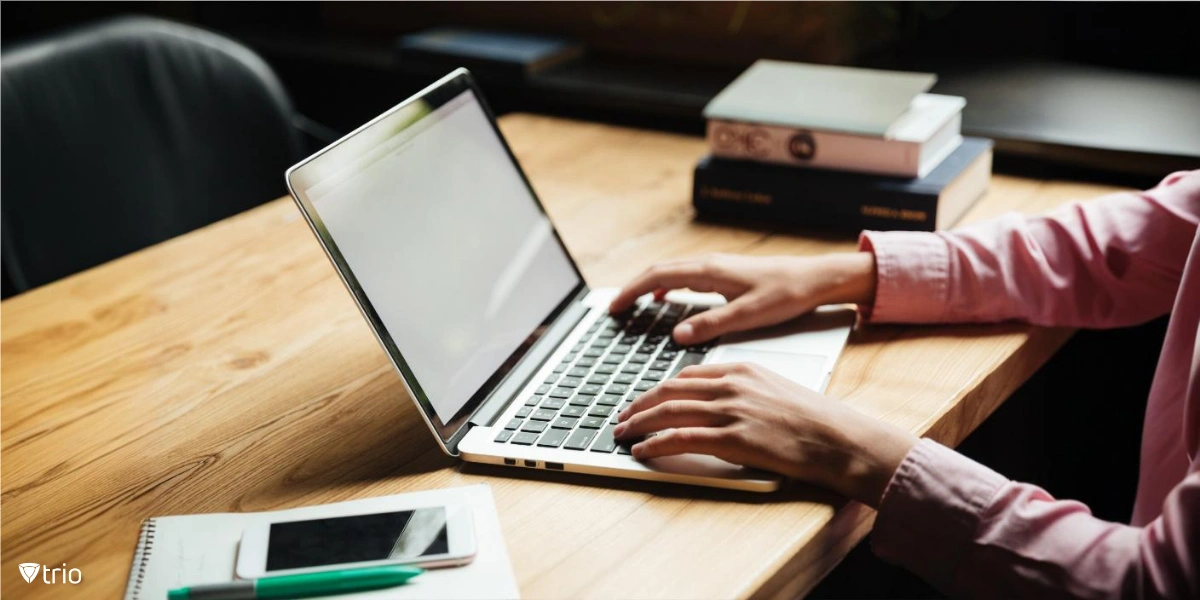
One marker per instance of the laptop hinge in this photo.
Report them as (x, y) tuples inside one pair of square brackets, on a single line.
[(498, 400)]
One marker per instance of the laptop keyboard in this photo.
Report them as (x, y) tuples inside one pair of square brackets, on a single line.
[(619, 358)]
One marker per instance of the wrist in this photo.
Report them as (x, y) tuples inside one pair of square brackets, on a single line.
[(851, 278), (879, 454)]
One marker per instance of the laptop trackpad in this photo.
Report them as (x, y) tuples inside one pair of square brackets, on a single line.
[(807, 370)]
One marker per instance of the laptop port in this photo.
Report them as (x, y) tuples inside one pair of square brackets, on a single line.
[(531, 463), (554, 466), (512, 462)]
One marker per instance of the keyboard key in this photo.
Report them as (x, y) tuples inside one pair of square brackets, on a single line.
[(553, 403), (564, 423), (605, 442), (578, 440), (561, 367), (569, 382), (634, 368), (654, 375), (592, 422), (624, 448), (609, 400), (514, 424), (606, 369), (600, 411), (551, 378), (614, 359), (582, 400), (542, 390), (503, 436), (534, 400), (598, 379), (534, 426), (591, 389), (578, 347), (622, 349), (625, 378), (660, 365), (570, 357), (618, 389), (553, 438), (640, 357), (574, 411), (585, 362), (561, 392), (644, 385), (630, 339), (594, 352), (648, 348), (578, 372), (543, 414), (689, 358), (525, 438), (524, 411)]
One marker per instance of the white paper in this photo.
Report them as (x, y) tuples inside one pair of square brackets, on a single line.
[(202, 549)]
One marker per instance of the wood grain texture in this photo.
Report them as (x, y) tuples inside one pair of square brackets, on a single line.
[(228, 370)]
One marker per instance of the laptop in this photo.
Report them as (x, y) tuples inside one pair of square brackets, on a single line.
[(508, 354)]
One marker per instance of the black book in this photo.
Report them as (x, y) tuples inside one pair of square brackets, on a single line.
[(842, 202)]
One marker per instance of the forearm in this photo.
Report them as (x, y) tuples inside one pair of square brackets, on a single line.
[(973, 533), (1113, 261)]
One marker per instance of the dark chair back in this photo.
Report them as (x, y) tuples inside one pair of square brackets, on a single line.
[(125, 133)]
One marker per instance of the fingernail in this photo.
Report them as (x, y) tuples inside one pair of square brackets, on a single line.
[(636, 450), (683, 330), (623, 416), (619, 430)]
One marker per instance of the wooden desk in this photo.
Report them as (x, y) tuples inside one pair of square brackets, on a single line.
[(228, 370)]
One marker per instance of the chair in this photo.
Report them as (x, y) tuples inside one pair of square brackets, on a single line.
[(125, 133)]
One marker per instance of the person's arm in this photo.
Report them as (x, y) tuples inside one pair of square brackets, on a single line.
[(972, 533), (1109, 262)]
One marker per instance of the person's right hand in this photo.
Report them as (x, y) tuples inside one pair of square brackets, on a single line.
[(761, 291)]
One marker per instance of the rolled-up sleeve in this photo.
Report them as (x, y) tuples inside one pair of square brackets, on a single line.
[(972, 533)]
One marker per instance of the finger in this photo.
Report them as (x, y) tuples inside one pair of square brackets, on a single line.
[(689, 440), (671, 415), (741, 314), (671, 389), (667, 276), (709, 371)]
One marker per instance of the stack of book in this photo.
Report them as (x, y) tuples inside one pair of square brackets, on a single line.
[(839, 149)]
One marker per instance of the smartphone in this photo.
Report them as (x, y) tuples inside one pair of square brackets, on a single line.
[(438, 536)]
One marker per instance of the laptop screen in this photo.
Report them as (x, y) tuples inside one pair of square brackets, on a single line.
[(446, 242)]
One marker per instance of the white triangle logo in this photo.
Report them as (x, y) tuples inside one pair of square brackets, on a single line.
[(29, 571)]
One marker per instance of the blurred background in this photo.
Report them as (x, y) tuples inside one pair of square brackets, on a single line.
[(144, 129)]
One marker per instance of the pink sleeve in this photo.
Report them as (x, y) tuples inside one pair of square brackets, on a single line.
[(972, 533), (1109, 262)]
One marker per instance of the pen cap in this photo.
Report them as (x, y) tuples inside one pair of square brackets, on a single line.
[(178, 594), (328, 583)]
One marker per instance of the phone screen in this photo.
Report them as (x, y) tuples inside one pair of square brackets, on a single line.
[(402, 535)]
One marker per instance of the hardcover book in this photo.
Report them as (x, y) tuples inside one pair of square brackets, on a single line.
[(843, 202), (487, 51)]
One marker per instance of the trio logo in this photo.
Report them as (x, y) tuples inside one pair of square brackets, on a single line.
[(29, 571)]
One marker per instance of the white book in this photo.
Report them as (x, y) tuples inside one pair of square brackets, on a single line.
[(188, 550), (912, 145)]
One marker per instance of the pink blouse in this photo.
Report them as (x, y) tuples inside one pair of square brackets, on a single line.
[(1110, 262)]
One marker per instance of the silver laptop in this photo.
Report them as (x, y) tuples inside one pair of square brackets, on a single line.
[(510, 357)]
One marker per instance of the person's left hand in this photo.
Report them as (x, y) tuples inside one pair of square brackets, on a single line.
[(749, 415)]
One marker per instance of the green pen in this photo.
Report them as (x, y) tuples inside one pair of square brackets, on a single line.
[(308, 585)]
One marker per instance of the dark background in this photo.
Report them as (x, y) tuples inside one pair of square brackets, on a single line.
[(337, 58)]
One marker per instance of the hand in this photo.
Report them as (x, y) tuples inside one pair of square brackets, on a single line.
[(761, 291), (749, 415)]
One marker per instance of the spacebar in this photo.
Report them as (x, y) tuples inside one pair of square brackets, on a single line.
[(689, 359)]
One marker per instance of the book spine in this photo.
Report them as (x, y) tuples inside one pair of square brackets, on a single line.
[(817, 149), (726, 192)]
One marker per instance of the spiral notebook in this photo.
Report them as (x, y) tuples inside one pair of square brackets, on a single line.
[(179, 551)]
